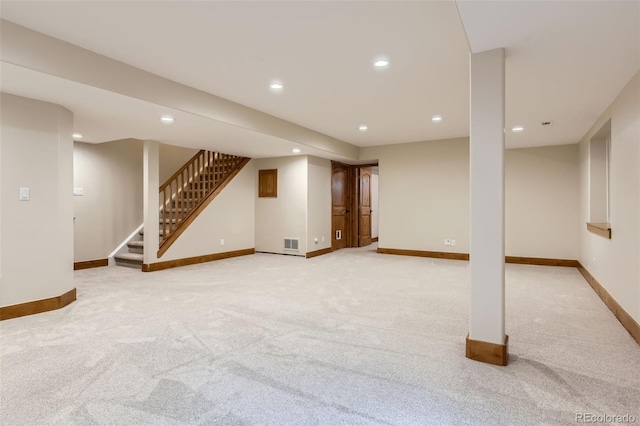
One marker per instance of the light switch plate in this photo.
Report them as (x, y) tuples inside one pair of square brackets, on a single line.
[(78, 192), (25, 194)]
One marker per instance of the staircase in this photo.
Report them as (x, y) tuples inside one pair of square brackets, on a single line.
[(184, 196), (134, 258)]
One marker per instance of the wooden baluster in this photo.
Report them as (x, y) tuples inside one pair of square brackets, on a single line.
[(164, 203), (167, 217), (211, 160), (182, 206), (215, 168), (207, 173), (179, 197), (199, 174), (200, 170)]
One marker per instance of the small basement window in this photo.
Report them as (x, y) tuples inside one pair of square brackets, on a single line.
[(599, 153)]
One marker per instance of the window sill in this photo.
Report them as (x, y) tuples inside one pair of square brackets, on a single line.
[(602, 229)]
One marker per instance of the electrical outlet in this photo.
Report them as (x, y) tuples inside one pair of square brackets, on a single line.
[(453, 242), (25, 194), (323, 239), (594, 261), (447, 242), (222, 241)]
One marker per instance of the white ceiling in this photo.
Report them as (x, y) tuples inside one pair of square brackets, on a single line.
[(566, 61), (113, 117)]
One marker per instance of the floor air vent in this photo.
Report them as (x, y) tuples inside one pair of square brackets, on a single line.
[(291, 243)]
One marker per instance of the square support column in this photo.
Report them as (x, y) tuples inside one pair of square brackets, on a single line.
[(487, 341), (151, 185)]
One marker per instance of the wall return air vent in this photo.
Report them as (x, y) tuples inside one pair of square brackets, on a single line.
[(291, 243)]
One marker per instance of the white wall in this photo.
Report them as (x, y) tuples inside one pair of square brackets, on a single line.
[(541, 202), (615, 263), (230, 216), (110, 175), (375, 183), (284, 216), (318, 204), (424, 198), (172, 158), (423, 194), (36, 236)]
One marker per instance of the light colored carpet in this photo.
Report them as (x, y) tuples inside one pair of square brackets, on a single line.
[(349, 338)]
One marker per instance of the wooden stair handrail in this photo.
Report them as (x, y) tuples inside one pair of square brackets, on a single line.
[(180, 170)]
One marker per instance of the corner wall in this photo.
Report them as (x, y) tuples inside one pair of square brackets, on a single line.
[(229, 217), (110, 175), (423, 194), (541, 202), (36, 236), (424, 198), (284, 216), (318, 204), (615, 262)]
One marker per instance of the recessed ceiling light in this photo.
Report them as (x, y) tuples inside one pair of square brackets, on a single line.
[(276, 86), (381, 63), (436, 118), (517, 129), (296, 150), (362, 127), (77, 135), (166, 119)]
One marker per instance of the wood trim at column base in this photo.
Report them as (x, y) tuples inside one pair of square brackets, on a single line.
[(422, 253), (320, 252), (151, 267), (37, 306), (374, 239), (90, 264), (627, 321), (490, 353)]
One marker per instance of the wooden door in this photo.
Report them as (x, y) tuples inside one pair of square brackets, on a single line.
[(339, 205), (364, 220)]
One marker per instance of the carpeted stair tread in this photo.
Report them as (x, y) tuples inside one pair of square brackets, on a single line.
[(130, 256)]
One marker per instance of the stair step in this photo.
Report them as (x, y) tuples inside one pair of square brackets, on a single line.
[(188, 204), (174, 214), (160, 232), (136, 247), (166, 220), (131, 260)]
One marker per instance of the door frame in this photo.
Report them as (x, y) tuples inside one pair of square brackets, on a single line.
[(352, 186)]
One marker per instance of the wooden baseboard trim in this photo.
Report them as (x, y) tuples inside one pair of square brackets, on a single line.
[(37, 306), (465, 256), (151, 267), (490, 353), (320, 252), (541, 261), (374, 240), (421, 253), (90, 264), (627, 321)]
